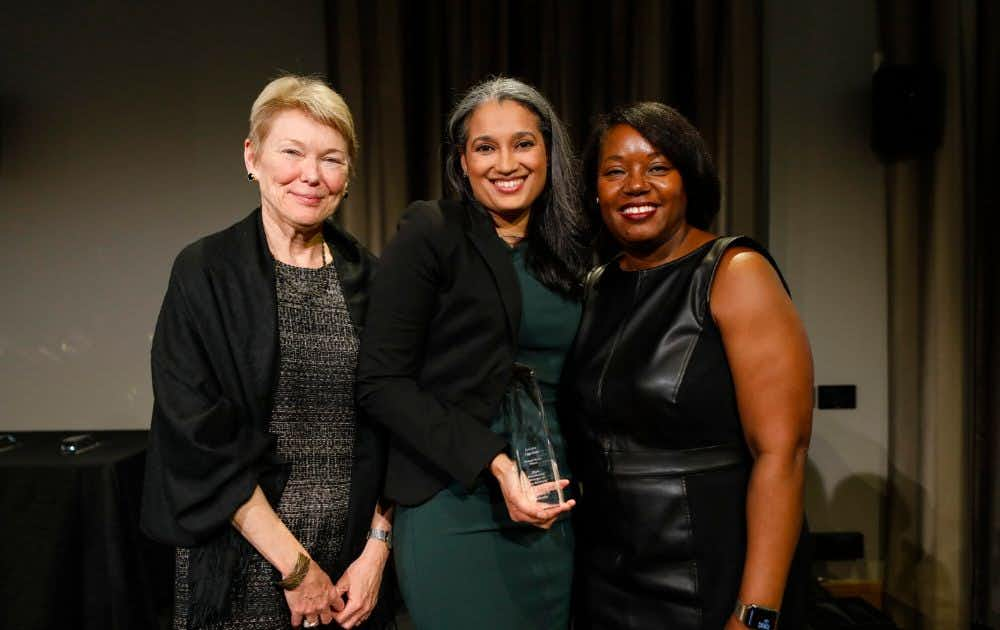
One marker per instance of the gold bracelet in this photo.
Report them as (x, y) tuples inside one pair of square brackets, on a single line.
[(291, 581)]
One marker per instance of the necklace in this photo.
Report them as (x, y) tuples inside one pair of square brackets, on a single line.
[(318, 290), (511, 232), (324, 270), (512, 238)]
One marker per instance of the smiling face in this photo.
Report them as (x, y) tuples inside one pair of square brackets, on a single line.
[(302, 167), (504, 157), (640, 193)]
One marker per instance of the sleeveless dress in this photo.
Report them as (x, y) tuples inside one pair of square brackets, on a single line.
[(461, 562), (659, 450), (313, 419)]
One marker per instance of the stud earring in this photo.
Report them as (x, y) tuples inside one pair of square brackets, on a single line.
[(250, 177)]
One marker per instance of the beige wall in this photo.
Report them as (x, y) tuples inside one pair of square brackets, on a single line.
[(828, 232), (122, 125)]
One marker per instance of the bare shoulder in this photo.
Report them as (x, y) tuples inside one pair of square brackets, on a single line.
[(745, 283)]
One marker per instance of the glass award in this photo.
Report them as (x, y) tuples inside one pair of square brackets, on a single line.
[(524, 412)]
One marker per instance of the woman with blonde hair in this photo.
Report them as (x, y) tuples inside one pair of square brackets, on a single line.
[(259, 470)]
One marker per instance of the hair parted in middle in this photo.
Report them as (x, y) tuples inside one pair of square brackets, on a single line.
[(677, 139), (557, 229)]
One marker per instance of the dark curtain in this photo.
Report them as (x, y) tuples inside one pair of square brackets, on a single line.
[(985, 345), (943, 541), (401, 66)]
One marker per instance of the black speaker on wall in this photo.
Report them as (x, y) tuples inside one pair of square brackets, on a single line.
[(907, 111)]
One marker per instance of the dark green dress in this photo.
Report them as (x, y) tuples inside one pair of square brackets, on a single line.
[(462, 563)]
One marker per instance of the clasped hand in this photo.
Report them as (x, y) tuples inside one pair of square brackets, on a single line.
[(318, 598), (315, 598), (361, 582), (522, 498)]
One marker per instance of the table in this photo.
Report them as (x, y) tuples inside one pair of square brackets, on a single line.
[(868, 590), (71, 553)]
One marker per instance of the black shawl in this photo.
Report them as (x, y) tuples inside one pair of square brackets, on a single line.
[(214, 367)]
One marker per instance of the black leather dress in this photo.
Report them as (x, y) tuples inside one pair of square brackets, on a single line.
[(657, 444)]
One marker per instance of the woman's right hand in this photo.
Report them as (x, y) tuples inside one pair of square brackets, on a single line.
[(316, 598), (524, 507)]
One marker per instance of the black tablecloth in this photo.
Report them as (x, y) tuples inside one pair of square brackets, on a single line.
[(71, 554)]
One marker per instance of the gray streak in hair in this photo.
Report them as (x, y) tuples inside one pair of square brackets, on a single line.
[(557, 226)]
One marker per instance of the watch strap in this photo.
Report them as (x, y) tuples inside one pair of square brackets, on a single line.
[(381, 534)]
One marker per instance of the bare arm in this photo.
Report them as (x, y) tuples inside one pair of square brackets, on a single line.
[(316, 596), (772, 371)]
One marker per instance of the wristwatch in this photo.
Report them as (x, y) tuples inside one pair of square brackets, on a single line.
[(756, 617), (381, 534)]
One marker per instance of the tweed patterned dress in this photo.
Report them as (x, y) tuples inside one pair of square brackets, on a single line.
[(313, 418)]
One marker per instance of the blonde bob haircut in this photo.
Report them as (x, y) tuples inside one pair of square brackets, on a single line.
[(313, 98)]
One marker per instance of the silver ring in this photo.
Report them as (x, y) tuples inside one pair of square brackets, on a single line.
[(310, 623)]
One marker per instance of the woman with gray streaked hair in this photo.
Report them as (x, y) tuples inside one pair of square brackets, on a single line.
[(557, 232), (466, 289)]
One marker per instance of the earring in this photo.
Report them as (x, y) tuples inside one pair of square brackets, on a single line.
[(347, 194), (597, 201), (250, 177)]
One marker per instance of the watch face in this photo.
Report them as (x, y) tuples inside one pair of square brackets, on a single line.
[(762, 618)]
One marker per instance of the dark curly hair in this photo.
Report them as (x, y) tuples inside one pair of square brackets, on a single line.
[(677, 139)]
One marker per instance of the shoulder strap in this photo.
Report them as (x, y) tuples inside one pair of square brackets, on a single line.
[(591, 280), (704, 275)]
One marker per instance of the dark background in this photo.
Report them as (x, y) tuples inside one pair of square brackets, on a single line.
[(120, 134)]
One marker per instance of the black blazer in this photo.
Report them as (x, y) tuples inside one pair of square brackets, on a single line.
[(439, 343), (214, 367)]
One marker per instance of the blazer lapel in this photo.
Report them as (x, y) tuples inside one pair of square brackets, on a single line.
[(497, 257)]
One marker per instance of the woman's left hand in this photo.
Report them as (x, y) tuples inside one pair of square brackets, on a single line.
[(361, 582), (523, 506)]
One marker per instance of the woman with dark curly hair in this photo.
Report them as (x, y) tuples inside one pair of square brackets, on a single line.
[(690, 390), (465, 289)]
